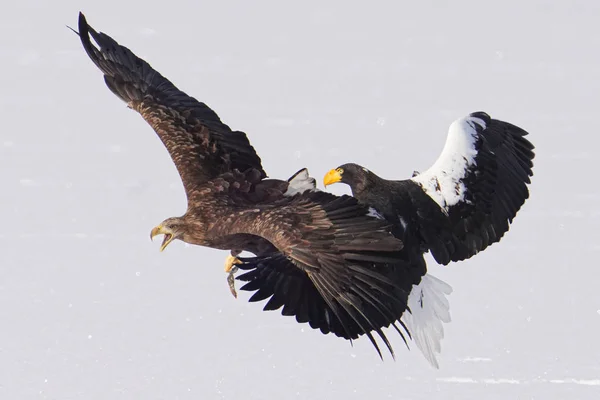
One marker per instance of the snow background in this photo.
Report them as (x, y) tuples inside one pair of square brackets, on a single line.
[(89, 309)]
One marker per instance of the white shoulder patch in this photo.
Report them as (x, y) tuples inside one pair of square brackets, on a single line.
[(301, 182), (443, 180), (429, 307)]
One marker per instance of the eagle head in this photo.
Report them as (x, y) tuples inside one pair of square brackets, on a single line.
[(350, 174), (171, 228)]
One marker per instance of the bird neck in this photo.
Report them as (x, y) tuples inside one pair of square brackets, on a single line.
[(361, 186), (193, 229)]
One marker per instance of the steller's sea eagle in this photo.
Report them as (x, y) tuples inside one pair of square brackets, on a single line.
[(327, 260), (458, 207)]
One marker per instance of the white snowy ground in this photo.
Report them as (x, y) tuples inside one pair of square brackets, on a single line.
[(89, 309)]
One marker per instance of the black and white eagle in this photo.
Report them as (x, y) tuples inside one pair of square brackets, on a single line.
[(462, 204)]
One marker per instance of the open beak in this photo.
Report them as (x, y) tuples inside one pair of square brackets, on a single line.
[(332, 177), (160, 230)]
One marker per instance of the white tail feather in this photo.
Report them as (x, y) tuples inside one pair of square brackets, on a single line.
[(429, 308), (301, 182)]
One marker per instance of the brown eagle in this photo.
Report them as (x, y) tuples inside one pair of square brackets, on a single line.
[(325, 259)]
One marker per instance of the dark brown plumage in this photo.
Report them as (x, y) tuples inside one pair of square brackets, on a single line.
[(331, 259)]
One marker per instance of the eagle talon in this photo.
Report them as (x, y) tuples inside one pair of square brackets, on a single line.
[(230, 262), (231, 269)]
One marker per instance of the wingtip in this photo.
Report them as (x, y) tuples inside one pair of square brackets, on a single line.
[(83, 26), (85, 30), (81, 21)]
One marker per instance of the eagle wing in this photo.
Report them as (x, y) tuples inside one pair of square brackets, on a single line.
[(332, 264), (471, 194), (346, 312), (340, 252), (201, 146)]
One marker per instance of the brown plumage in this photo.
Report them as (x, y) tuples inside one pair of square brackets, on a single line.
[(338, 256)]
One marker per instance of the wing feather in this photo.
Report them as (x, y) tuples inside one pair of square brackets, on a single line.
[(350, 293), (479, 183), (328, 261), (201, 146)]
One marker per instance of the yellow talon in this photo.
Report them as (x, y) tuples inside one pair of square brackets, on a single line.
[(230, 261), (231, 269)]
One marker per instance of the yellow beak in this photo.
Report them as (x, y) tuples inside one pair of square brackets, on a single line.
[(160, 230), (332, 177)]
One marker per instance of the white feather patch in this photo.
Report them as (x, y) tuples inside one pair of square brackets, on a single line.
[(374, 213), (300, 182), (402, 222), (443, 180), (429, 309)]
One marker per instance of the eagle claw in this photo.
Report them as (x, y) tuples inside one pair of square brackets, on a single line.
[(231, 269)]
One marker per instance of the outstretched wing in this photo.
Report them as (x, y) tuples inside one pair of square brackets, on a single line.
[(277, 278), (475, 188), (330, 264), (201, 146)]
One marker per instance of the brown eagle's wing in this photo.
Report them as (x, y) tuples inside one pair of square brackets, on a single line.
[(277, 278), (201, 146), (332, 262)]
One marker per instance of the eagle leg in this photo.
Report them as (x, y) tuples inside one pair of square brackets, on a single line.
[(231, 269), (230, 263)]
